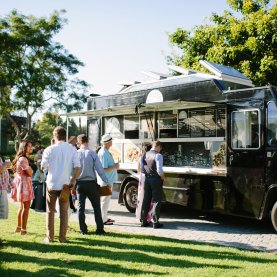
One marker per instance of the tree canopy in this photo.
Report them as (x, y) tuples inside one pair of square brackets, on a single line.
[(35, 70), (247, 42), (45, 126)]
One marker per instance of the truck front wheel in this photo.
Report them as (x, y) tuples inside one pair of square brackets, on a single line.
[(130, 196), (274, 216)]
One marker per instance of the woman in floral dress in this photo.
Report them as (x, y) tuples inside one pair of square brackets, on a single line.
[(23, 192)]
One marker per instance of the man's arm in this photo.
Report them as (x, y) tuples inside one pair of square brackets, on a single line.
[(159, 164), (75, 175), (100, 170)]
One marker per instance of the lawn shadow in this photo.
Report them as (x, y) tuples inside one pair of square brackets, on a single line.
[(183, 248), (116, 251)]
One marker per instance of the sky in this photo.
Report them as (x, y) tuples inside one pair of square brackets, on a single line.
[(118, 39)]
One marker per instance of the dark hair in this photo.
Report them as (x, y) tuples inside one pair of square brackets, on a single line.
[(82, 139), (20, 153), (59, 133), (146, 147), (156, 143)]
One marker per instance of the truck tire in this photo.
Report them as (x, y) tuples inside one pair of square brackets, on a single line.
[(130, 196), (274, 216)]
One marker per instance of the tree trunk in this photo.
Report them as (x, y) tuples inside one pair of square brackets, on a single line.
[(17, 130)]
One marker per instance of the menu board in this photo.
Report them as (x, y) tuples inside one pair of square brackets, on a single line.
[(204, 122), (220, 122), (210, 125), (184, 124), (197, 122)]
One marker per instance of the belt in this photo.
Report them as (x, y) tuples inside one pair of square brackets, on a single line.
[(152, 175), (86, 181)]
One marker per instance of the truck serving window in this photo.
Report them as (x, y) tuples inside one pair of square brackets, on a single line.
[(245, 130), (131, 127), (271, 134)]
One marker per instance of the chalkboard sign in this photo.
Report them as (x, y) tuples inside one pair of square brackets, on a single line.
[(204, 122), (220, 122), (210, 122), (184, 124), (197, 122)]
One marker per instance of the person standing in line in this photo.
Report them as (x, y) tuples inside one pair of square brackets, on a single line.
[(87, 186), (110, 168), (5, 185), (62, 162), (23, 184), (152, 167), (145, 148), (72, 197)]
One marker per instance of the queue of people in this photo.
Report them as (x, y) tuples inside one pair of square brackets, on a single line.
[(79, 172)]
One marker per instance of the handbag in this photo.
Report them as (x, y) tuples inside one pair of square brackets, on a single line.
[(105, 190), (64, 195)]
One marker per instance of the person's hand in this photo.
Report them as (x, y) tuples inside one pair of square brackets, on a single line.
[(116, 166), (66, 187)]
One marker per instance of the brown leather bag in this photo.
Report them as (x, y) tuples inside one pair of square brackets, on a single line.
[(105, 190), (65, 193)]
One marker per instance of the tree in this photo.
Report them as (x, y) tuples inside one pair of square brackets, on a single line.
[(34, 69), (44, 128), (46, 125), (247, 43)]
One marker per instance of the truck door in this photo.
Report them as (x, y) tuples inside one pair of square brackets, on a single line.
[(245, 161)]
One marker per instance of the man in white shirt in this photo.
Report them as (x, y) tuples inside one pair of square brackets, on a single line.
[(62, 162)]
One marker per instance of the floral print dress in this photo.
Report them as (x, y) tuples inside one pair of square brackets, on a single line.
[(23, 182)]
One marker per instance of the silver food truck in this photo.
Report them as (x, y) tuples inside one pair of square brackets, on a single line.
[(218, 133)]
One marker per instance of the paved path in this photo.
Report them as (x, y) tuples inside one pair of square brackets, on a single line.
[(243, 234)]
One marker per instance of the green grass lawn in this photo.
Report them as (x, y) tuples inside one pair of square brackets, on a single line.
[(120, 254)]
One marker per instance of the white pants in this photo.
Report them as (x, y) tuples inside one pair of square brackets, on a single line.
[(4, 205), (105, 202)]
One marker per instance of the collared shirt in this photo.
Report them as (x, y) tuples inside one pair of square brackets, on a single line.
[(60, 159), (89, 163), (107, 161), (158, 160), (5, 180)]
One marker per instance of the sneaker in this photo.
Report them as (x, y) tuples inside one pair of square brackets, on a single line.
[(144, 224), (100, 232), (108, 222), (158, 225), (47, 240)]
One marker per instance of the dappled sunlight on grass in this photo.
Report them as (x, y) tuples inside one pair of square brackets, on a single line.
[(120, 254)]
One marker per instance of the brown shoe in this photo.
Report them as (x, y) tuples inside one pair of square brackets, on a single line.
[(17, 229), (23, 232)]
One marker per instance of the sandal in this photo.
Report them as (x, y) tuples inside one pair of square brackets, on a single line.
[(23, 232), (18, 229)]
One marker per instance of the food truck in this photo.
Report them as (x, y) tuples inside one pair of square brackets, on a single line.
[(218, 133)]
